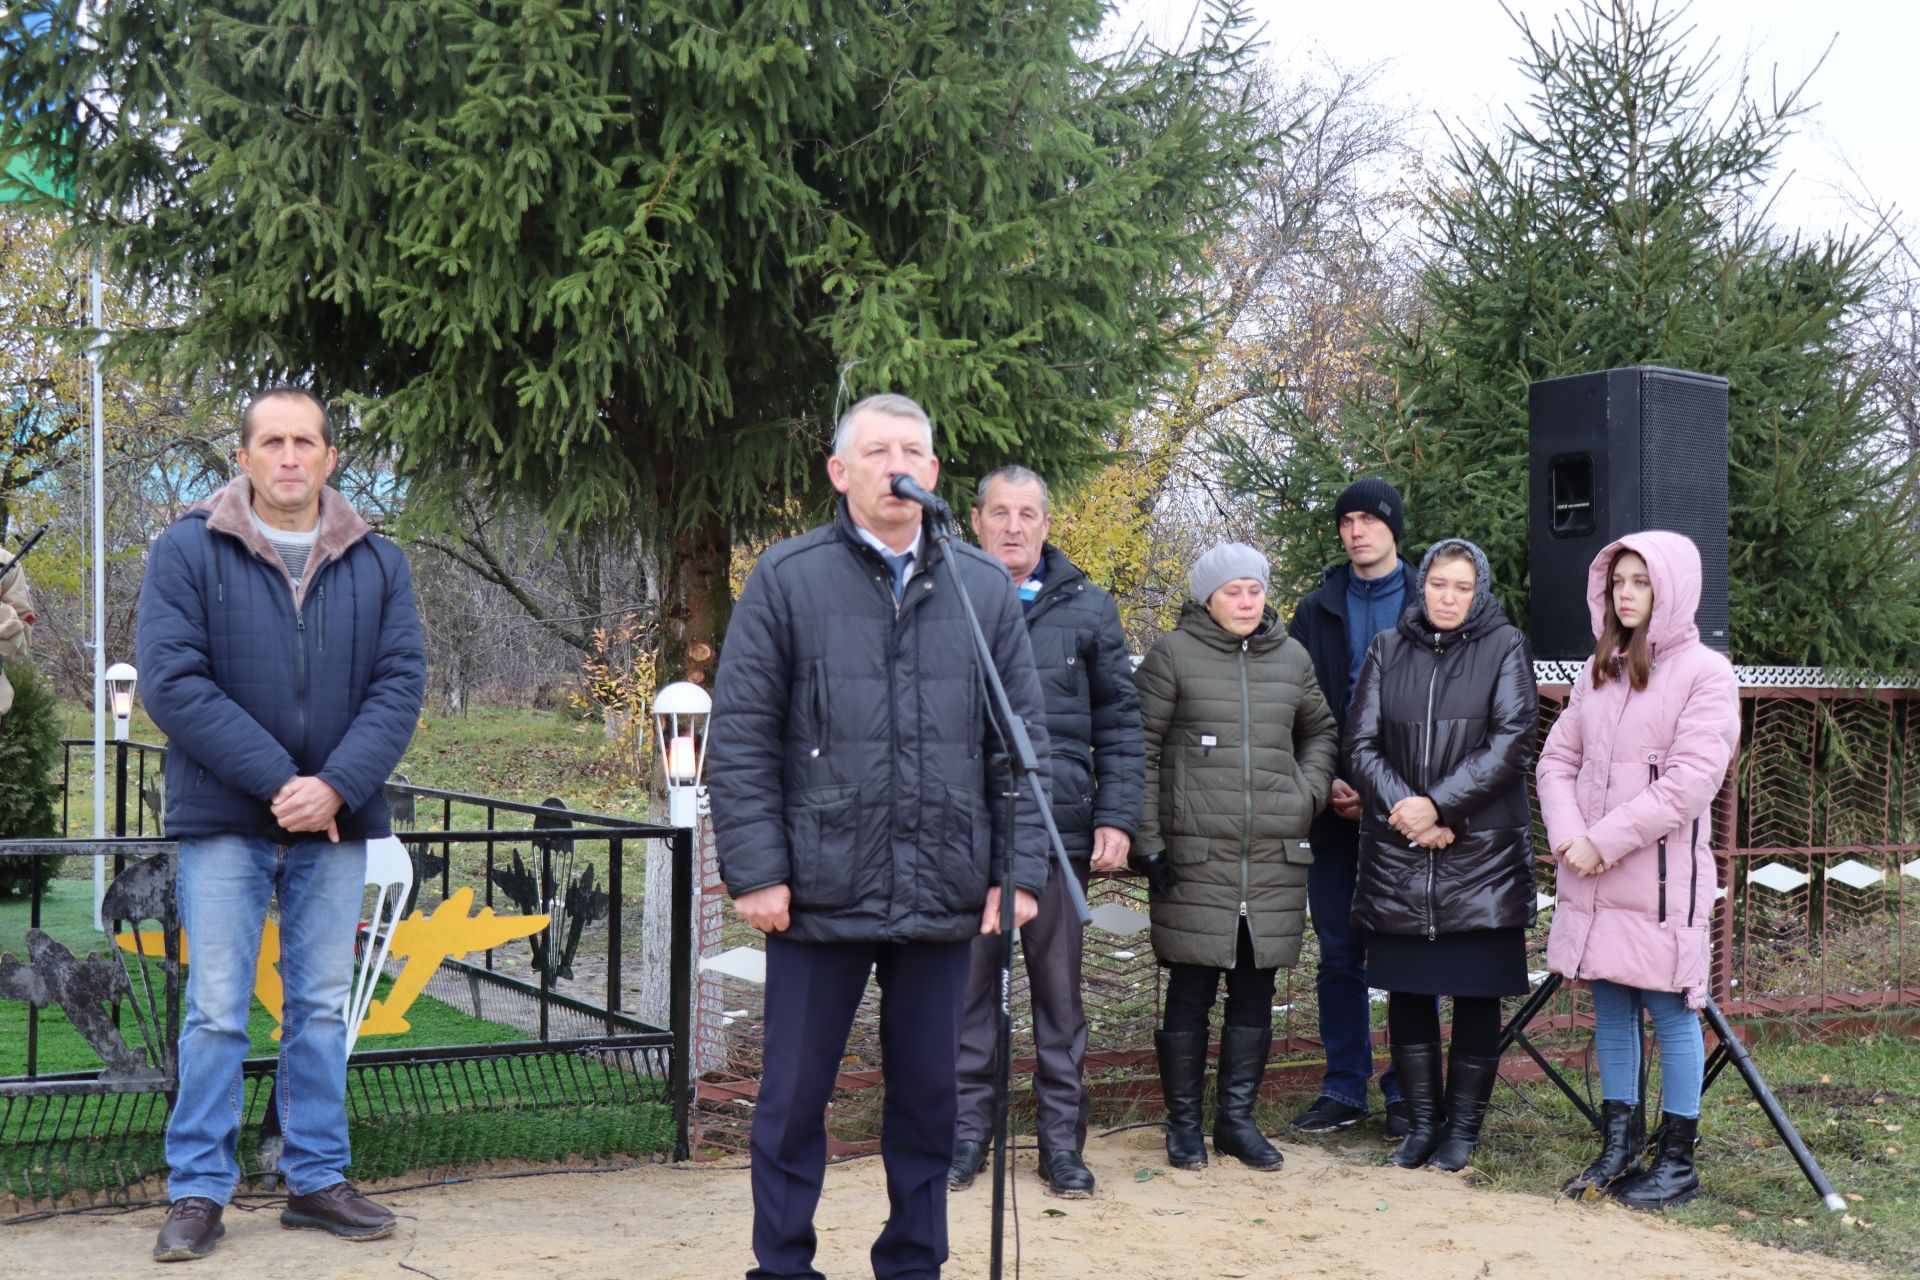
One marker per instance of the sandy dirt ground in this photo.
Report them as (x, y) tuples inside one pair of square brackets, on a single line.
[(1322, 1216)]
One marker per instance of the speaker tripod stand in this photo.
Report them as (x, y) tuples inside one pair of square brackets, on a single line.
[(1727, 1049)]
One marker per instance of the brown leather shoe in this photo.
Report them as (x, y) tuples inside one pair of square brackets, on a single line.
[(191, 1230), (341, 1210)]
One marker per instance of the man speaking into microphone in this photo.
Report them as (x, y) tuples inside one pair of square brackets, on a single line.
[(856, 811)]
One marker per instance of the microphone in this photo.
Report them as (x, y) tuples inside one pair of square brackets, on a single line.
[(907, 489)]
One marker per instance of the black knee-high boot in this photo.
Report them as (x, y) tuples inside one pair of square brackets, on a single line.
[(1183, 1081), (1243, 1065), (1469, 1089), (1418, 1066)]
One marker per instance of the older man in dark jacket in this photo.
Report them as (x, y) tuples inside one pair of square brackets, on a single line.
[(855, 814), (1099, 769), (281, 656)]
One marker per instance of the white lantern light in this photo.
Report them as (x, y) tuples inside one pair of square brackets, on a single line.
[(681, 712), (121, 679)]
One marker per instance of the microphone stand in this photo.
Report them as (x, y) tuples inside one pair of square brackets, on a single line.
[(1021, 763)]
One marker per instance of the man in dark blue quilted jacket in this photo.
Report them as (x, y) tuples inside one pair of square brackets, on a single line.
[(855, 811), (279, 651)]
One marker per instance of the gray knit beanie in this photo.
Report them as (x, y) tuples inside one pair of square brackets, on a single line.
[(1224, 564)]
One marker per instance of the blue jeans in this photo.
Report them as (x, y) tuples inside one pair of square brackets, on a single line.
[(1346, 1031), (1616, 1041), (222, 886)]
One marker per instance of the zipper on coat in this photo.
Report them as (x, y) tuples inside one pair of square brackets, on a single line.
[(1653, 776), (1246, 779), (817, 706), (1693, 873), (1433, 875), (300, 672), (1426, 747), (1426, 784)]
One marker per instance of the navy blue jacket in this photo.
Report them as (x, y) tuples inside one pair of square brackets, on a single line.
[(254, 683), (849, 750), (1320, 623)]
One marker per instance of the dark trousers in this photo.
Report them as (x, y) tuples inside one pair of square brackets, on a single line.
[(1192, 987), (1050, 944), (812, 993), (1346, 1032)]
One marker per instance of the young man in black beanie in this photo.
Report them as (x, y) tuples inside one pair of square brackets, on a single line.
[(1356, 600)]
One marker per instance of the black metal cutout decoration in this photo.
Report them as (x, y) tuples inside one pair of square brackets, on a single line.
[(84, 990), (143, 891), (400, 808), (154, 796), (536, 893)]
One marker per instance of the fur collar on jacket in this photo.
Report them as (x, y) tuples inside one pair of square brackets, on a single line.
[(230, 509)]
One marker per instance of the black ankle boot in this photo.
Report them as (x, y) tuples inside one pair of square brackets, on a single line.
[(1183, 1080), (1469, 1089), (1418, 1066), (1243, 1065), (1623, 1131), (1672, 1179)]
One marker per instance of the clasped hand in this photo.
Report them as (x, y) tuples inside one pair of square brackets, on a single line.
[(1413, 817), (308, 804), (1582, 856)]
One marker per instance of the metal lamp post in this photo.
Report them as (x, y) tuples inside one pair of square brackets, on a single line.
[(120, 680)]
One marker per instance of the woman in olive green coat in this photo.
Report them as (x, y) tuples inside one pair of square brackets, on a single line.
[(1241, 749)]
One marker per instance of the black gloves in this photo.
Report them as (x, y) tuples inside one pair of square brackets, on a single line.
[(1155, 867)]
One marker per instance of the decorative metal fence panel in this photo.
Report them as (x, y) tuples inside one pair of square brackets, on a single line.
[(1817, 912), (513, 934)]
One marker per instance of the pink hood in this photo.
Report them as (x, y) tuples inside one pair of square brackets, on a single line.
[(1673, 562), (1630, 769)]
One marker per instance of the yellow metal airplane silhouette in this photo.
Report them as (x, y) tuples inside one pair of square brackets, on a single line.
[(422, 941)]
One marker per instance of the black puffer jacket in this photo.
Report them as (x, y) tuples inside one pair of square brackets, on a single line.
[(1093, 713), (848, 751), (1450, 715)]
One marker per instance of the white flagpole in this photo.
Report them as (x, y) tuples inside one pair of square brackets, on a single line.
[(99, 605)]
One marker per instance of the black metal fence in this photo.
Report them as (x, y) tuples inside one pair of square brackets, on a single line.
[(558, 1069)]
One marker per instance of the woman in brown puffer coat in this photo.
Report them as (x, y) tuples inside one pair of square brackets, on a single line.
[(1240, 752)]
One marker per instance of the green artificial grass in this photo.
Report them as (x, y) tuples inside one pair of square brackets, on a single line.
[(432, 1115), (429, 1116), (436, 1115)]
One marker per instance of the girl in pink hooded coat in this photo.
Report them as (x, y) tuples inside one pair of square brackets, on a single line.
[(1626, 781)]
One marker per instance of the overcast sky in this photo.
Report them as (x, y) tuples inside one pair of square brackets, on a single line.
[(1453, 58)]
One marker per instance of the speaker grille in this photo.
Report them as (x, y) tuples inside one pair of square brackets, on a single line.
[(1657, 444), (1683, 478)]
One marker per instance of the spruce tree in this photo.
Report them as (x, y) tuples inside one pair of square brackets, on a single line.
[(29, 777), (1618, 219), (626, 258)]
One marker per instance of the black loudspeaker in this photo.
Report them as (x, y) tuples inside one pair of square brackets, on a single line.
[(1613, 453)]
